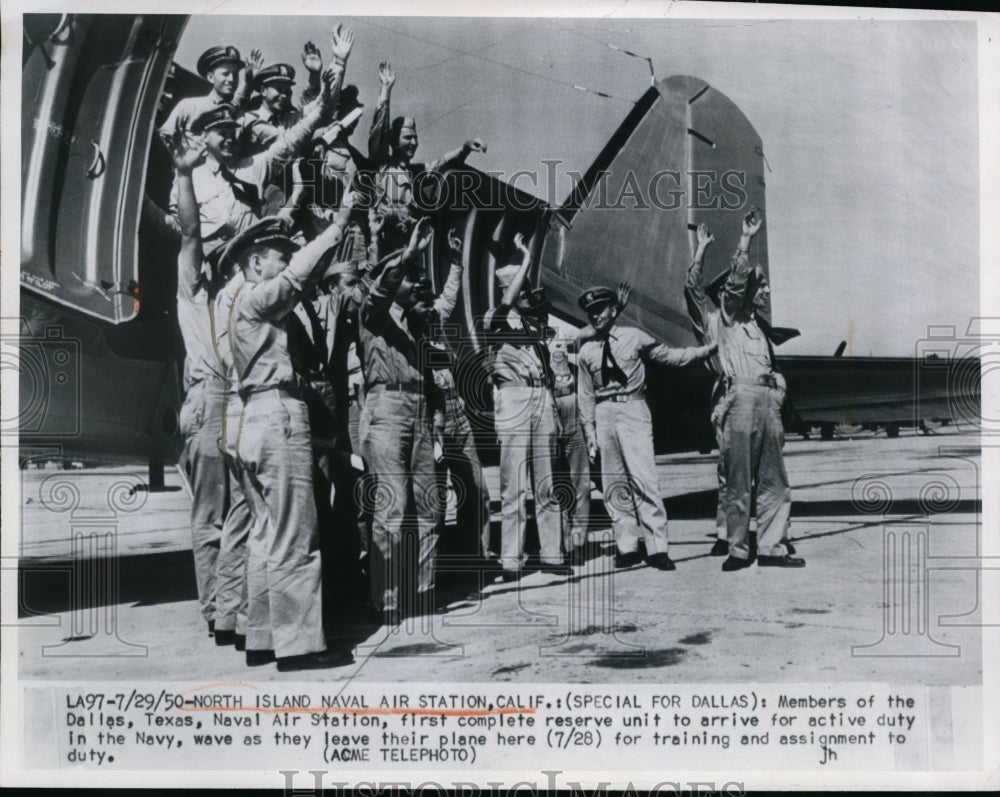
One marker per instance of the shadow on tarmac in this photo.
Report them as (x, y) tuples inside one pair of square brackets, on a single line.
[(49, 586)]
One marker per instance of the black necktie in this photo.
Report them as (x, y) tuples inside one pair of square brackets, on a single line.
[(318, 335), (766, 329), (610, 370), (242, 190)]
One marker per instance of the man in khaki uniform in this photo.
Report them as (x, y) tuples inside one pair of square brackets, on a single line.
[(205, 389), (749, 413), (220, 66), (616, 420), (230, 187), (273, 445), (405, 190), (525, 416), (395, 430)]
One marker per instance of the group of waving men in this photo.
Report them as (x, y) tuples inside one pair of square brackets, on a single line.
[(304, 304)]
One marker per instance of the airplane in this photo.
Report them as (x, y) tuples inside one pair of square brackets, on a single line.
[(99, 352)]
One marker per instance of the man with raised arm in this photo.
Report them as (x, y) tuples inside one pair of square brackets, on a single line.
[(272, 444), (404, 190), (205, 389), (220, 66), (525, 416), (395, 428), (274, 111), (616, 421), (700, 309), (230, 188), (748, 415)]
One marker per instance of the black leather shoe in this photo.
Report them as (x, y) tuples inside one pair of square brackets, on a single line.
[(323, 660), (780, 561), (629, 559), (223, 637), (660, 561), (790, 548), (721, 548), (211, 627), (241, 642), (734, 563), (510, 575), (258, 658), (561, 569)]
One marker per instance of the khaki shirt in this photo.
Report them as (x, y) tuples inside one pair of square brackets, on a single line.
[(630, 347), (519, 345), (188, 109), (251, 332), (389, 351), (743, 348), (224, 214), (262, 125), (195, 306)]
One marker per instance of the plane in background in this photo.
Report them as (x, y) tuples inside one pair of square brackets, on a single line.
[(99, 352)]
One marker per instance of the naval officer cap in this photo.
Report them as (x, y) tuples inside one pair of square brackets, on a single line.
[(270, 232), (593, 300), (276, 74), (219, 116), (214, 56)]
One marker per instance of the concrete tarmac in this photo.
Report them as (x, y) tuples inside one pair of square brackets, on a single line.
[(880, 523)]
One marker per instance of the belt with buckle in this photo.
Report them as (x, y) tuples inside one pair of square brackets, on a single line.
[(561, 392), (620, 397), (529, 381), (765, 380), (290, 389)]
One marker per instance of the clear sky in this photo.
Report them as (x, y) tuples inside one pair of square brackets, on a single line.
[(870, 130)]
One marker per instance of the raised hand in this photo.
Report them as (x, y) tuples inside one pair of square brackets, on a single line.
[(312, 60), (624, 293), (752, 222), (255, 62), (419, 238), (705, 236), (342, 39), (454, 243), (426, 234), (385, 75), (520, 244), (186, 151)]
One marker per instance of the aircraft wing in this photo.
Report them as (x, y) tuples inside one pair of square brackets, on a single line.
[(883, 390)]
